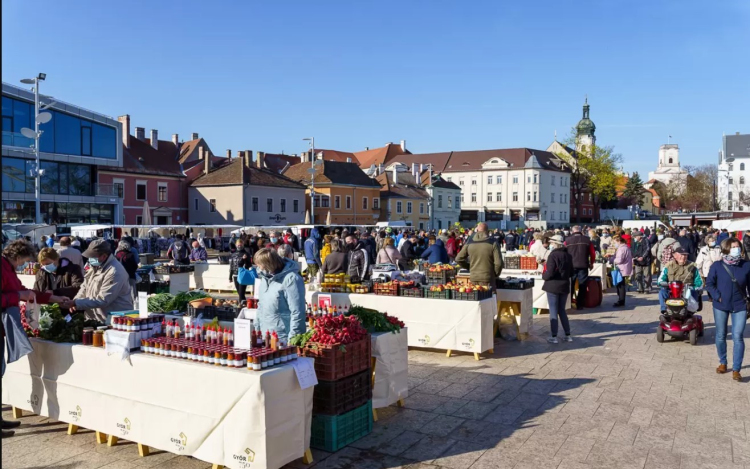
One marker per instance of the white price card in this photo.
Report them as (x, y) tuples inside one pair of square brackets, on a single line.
[(242, 333), (305, 373), (142, 304)]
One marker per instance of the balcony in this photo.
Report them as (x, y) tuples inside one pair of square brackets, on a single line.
[(109, 190)]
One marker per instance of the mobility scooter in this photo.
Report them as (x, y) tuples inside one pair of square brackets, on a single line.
[(677, 321)]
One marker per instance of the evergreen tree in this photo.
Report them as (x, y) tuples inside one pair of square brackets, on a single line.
[(634, 190)]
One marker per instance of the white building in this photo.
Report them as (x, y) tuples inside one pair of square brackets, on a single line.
[(733, 188), (669, 165)]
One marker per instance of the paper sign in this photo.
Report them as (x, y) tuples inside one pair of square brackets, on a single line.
[(143, 304), (324, 301), (242, 333), (305, 373)]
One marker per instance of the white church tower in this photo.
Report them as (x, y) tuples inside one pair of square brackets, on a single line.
[(585, 129), (669, 165)]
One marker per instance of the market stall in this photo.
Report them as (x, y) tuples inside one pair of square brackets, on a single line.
[(390, 368), (231, 417), (516, 303)]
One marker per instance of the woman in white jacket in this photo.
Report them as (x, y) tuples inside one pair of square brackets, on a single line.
[(539, 248), (707, 255)]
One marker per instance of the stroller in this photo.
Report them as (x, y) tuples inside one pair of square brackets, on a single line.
[(678, 321)]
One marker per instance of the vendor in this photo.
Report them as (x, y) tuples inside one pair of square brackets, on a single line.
[(59, 275), (199, 253), (482, 257), (436, 253), (281, 295), (336, 261)]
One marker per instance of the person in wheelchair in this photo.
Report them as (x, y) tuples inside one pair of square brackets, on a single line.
[(679, 269)]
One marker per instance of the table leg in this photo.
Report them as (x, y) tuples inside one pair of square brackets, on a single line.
[(72, 429), (143, 450), (448, 355), (374, 415), (112, 441), (217, 466), (307, 458), (400, 402), (101, 438), (476, 356), (17, 413)]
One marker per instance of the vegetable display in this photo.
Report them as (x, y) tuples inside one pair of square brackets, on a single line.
[(375, 321), (300, 340), (337, 330), (181, 300), (54, 327), (160, 302)]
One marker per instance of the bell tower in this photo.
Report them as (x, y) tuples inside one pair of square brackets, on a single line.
[(585, 130)]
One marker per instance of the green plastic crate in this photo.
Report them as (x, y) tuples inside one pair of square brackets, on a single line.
[(333, 432)]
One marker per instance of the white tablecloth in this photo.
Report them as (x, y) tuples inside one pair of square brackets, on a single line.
[(526, 298), (218, 415), (211, 276), (432, 323), (391, 368)]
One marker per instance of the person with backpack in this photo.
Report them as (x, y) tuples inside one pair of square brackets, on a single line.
[(179, 251)]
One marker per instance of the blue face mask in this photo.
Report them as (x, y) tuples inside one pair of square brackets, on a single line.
[(94, 262), (735, 252), (273, 240), (51, 268), (25, 265)]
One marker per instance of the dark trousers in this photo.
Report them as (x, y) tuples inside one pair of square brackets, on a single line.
[(582, 275), (241, 289), (642, 274), (622, 287), (556, 302)]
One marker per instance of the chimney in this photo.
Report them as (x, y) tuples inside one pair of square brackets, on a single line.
[(155, 139), (229, 154), (140, 133), (403, 146), (380, 169), (207, 162), (261, 159), (395, 175), (194, 136), (176, 140), (241, 154), (248, 158), (414, 172), (125, 121), (367, 148)]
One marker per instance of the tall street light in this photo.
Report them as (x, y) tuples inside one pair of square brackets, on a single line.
[(313, 170), (42, 118)]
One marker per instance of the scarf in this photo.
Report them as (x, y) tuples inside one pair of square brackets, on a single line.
[(732, 260)]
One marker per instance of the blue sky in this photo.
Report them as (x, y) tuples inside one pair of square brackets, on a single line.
[(443, 75)]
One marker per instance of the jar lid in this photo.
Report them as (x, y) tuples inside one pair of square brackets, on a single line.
[(102, 328)]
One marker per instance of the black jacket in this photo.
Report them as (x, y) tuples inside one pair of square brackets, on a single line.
[(579, 248), (511, 242), (558, 271), (407, 251), (641, 249), (359, 265), (237, 261), (335, 263)]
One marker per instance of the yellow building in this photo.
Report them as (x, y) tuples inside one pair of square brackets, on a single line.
[(403, 198)]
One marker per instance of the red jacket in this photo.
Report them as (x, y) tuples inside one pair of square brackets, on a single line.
[(11, 285)]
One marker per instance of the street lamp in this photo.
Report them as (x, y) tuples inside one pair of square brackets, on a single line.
[(39, 118), (313, 169)]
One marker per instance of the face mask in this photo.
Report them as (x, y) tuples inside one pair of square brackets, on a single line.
[(566, 233), (273, 240), (551, 247), (51, 268), (660, 237), (735, 252), (94, 262), (712, 244)]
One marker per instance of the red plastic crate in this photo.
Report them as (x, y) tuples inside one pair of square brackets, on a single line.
[(529, 263), (333, 362)]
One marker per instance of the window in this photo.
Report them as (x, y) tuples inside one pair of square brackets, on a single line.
[(561, 217), (729, 196), (399, 207), (670, 161), (528, 196), (86, 139), (450, 202), (269, 205), (591, 212), (140, 190), (348, 202), (545, 215), (552, 197), (498, 196), (364, 203), (489, 197), (553, 215), (474, 197), (731, 166), (295, 206), (535, 178), (195, 206), (440, 201), (489, 180), (742, 180), (461, 182), (499, 179), (731, 180), (255, 203), (421, 207), (376, 203), (459, 199), (139, 218), (337, 202), (325, 201), (212, 205), (515, 197), (515, 179), (408, 207), (282, 209), (534, 196), (528, 178), (449, 179), (162, 192), (742, 166), (474, 181)]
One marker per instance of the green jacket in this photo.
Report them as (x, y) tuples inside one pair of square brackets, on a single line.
[(688, 274), (482, 257)]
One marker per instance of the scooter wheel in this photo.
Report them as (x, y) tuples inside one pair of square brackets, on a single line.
[(693, 336), (659, 335)]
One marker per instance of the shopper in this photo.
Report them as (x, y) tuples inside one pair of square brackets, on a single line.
[(679, 269), (641, 253), (727, 282), (707, 255), (540, 248), (281, 295), (358, 260), (67, 251), (688, 244), (241, 258), (124, 254), (312, 253), (178, 251), (57, 274), (15, 255), (557, 277), (198, 254), (436, 253), (623, 262), (389, 254), (482, 257), (337, 261), (326, 249), (582, 251), (105, 287)]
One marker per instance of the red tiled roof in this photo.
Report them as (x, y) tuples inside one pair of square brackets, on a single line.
[(187, 148), (438, 160), (377, 156), (233, 172), (276, 162), (517, 157), (142, 158), (336, 155), (405, 186), (332, 172)]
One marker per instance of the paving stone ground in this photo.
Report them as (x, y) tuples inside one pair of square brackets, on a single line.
[(614, 398)]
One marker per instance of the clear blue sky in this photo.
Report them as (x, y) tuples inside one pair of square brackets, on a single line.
[(442, 75)]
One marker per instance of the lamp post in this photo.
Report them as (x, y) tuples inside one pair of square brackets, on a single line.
[(313, 163), (35, 134)]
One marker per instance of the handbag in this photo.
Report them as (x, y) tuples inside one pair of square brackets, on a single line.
[(734, 281), (15, 337), (246, 276)]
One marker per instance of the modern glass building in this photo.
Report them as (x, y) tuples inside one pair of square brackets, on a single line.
[(75, 141)]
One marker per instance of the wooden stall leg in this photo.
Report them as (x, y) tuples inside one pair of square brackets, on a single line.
[(448, 354), (307, 458), (101, 438), (17, 413), (112, 441), (72, 429), (374, 415), (217, 466), (400, 402), (143, 450), (476, 356), (492, 351)]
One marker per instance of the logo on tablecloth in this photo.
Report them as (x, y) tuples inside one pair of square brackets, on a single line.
[(33, 400), (180, 442), (76, 414), (124, 427), (425, 340), (469, 344), (245, 459)]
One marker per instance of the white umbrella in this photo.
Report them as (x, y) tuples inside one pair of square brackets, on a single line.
[(328, 218), (146, 219), (307, 217)]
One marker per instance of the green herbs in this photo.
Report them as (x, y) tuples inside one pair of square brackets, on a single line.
[(54, 327), (160, 302), (375, 321), (164, 302), (300, 340)]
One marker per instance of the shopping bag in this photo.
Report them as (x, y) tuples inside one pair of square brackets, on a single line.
[(616, 277), (692, 303), (33, 311), (246, 276), (15, 337)]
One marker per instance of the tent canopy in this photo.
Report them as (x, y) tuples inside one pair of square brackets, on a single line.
[(743, 224)]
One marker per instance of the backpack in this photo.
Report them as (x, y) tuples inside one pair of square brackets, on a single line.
[(666, 254), (179, 251)]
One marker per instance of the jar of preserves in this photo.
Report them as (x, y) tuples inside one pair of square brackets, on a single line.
[(98, 339)]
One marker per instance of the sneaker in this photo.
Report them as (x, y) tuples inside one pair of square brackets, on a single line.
[(567, 338), (553, 340)]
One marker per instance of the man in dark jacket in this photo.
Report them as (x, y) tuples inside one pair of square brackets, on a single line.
[(359, 264), (482, 257), (687, 244), (436, 253), (408, 250), (582, 251), (641, 251), (746, 244), (370, 246), (557, 274), (511, 241)]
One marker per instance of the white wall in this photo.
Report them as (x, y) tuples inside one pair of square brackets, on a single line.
[(276, 216)]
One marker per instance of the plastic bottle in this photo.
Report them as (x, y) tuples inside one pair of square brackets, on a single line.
[(267, 341)]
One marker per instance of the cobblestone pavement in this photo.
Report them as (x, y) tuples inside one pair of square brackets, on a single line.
[(614, 398)]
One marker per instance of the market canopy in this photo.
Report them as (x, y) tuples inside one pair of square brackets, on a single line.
[(743, 224)]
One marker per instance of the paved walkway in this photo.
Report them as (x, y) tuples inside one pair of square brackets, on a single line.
[(614, 398)]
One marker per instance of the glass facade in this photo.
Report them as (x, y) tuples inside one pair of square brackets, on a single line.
[(59, 213), (64, 133), (59, 178)]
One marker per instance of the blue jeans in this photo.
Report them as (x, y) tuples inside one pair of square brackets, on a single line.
[(721, 318), (557, 309)]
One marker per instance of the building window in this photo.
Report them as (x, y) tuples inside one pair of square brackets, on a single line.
[(535, 178), (528, 178), (553, 183), (489, 180), (515, 179), (440, 201), (449, 179), (473, 181), (295, 205), (462, 199), (269, 205), (552, 197), (139, 219), (553, 215), (561, 217), (534, 196), (283, 205), (473, 196), (729, 196), (348, 202), (408, 207), (364, 203), (162, 192), (528, 196), (461, 182), (421, 207), (450, 202), (731, 180), (742, 180), (140, 191), (459, 199), (212, 205), (255, 204), (195, 204), (742, 166), (515, 197), (489, 197), (399, 207), (731, 166), (499, 179), (376, 203), (325, 200), (337, 202), (498, 197)]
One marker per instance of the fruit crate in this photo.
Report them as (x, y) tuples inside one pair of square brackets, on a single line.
[(529, 263), (441, 277), (209, 312), (333, 432), (507, 284), (333, 362), (385, 289), (513, 262), (440, 295), (472, 295), (411, 292), (338, 397)]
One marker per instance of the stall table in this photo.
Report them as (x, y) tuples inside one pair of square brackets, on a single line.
[(211, 276), (433, 323), (390, 360), (231, 417), (517, 303)]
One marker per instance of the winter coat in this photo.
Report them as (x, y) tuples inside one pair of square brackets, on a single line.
[(641, 249), (558, 272), (482, 258), (540, 252), (359, 263), (72, 254), (689, 245), (312, 252), (687, 274), (581, 249), (663, 244), (281, 301), (436, 253), (511, 242), (389, 255), (746, 245), (335, 263), (127, 260), (371, 248), (451, 246), (624, 260), (105, 289), (726, 295), (11, 285), (407, 251), (325, 252), (240, 258), (706, 257), (66, 281), (722, 236)]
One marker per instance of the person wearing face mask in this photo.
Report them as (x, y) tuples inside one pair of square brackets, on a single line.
[(281, 295), (707, 255), (622, 261), (105, 287), (358, 260), (240, 258), (59, 275), (679, 269)]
